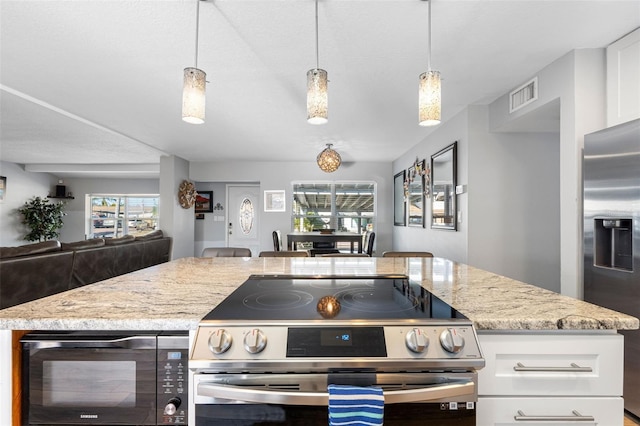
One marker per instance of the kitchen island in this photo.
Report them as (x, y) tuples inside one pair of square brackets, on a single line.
[(176, 295)]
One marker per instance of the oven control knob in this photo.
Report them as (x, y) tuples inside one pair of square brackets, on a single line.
[(172, 406), (255, 341), (451, 340), (220, 341), (417, 341)]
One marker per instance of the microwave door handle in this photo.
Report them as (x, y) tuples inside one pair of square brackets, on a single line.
[(261, 396), (132, 342)]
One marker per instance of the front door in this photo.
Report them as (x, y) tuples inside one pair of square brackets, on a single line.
[(242, 217)]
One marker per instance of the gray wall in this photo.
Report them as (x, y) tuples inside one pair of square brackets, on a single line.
[(514, 203), (212, 231), (508, 216), (577, 82), (175, 221), (442, 243), (280, 176), (21, 187), (74, 221)]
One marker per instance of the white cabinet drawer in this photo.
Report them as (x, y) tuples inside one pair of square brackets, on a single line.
[(549, 411), (547, 365)]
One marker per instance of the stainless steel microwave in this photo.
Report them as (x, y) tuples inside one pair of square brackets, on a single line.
[(105, 378)]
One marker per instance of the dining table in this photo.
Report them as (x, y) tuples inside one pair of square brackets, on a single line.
[(295, 237)]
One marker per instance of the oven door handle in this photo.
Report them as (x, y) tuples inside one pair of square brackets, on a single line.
[(263, 396)]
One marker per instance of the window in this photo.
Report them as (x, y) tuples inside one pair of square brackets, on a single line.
[(343, 206), (110, 215)]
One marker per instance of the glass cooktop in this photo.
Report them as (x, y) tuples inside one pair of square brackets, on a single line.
[(287, 297)]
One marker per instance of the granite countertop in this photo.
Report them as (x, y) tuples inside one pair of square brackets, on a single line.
[(176, 295)]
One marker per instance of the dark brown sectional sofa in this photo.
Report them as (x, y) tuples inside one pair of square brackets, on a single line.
[(37, 270)]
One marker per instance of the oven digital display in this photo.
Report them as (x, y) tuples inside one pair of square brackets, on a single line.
[(336, 342), (336, 338)]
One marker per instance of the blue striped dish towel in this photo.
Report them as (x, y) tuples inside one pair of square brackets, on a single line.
[(355, 406)]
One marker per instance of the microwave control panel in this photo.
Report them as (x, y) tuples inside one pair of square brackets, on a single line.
[(172, 380)]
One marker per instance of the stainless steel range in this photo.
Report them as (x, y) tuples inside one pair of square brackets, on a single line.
[(267, 353)]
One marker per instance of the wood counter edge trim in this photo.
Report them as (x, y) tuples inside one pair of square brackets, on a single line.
[(16, 377)]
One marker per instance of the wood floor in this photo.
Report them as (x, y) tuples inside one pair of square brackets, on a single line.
[(629, 422)]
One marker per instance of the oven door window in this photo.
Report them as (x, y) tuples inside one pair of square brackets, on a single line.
[(93, 384), (99, 386)]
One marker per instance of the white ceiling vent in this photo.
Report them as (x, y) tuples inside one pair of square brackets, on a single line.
[(523, 95)]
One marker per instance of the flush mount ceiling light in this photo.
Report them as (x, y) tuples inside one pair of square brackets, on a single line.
[(194, 86), (329, 160), (429, 99), (317, 96)]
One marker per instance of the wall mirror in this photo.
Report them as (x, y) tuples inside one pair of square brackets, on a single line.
[(416, 194), (443, 188), (399, 209)]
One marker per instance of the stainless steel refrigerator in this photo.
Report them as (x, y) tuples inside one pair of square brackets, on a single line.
[(611, 171)]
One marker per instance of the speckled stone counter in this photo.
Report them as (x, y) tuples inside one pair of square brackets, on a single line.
[(176, 295)]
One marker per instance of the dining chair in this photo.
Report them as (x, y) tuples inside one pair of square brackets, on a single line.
[(407, 254), (277, 240), (226, 252), (283, 253), (367, 243)]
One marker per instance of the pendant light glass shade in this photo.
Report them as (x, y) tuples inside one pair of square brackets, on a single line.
[(317, 97), (429, 99), (329, 160), (193, 95)]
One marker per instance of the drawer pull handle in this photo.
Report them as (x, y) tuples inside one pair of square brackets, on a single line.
[(576, 417), (574, 368)]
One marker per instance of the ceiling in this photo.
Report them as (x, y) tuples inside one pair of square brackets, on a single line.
[(91, 88)]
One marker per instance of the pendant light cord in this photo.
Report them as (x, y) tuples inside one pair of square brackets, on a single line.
[(317, 55), (429, 37), (197, 28)]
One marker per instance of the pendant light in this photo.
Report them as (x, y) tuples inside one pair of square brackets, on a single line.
[(317, 97), (329, 160), (429, 99), (194, 86)]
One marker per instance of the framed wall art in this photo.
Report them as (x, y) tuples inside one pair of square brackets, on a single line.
[(204, 202), (399, 204), (415, 197), (274, 201), (444, 167), (3, 187)]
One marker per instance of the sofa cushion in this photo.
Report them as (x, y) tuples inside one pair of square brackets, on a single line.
[(120, 240), (128, 258), (153, 235), (92, 265), (156, 251), (26, 278), (84, 244), (29, 249)]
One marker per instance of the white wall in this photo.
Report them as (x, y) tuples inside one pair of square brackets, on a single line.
[(281, 175), (21, 187)]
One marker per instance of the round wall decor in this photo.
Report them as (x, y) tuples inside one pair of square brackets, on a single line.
[(187, 194)]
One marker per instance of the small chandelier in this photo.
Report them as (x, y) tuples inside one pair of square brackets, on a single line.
[(329, 160), (317, 96), (194, 86), (429, 99)]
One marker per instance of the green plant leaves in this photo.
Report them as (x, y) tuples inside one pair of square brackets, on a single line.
[(43, 218)]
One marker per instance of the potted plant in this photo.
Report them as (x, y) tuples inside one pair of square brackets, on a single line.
[(43, 218)]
